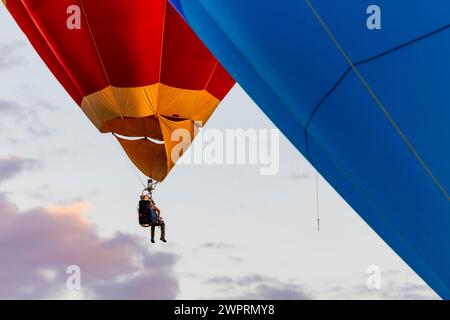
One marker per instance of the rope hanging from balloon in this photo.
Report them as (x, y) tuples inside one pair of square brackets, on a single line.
[(317, 201)]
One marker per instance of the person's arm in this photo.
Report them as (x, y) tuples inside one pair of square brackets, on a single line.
[(157, 210)]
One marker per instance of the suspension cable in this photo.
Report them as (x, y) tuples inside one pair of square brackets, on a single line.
[(133, 168)]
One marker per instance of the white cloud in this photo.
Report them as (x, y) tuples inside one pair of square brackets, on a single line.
[(9, 57), (259, 287)]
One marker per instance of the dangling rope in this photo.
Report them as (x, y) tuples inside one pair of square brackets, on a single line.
[(317, 201), (133, 168)]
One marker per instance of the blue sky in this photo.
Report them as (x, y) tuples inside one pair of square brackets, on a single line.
[(69, 196)]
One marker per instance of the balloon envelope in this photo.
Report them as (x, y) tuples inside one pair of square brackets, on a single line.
[(135, 68), (369, 108)]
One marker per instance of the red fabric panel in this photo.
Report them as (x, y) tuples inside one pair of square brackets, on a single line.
[(24, 21), (221, 83), (186, 63), (120, 43), (128, 36), (74, 48)]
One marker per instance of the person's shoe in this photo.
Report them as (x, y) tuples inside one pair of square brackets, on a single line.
[(163, 240), (153, 240)]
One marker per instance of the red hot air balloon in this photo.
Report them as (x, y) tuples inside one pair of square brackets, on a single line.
[(134, 67)]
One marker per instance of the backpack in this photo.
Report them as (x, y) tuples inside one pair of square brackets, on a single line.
[(144, 213)]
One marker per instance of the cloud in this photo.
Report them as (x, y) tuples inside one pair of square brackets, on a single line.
[(12, 166), (257, 286), (219, 280), (13, 113), (47, 106), (10, 108), (217, 245), (38, 245), (395, 285), (13, 108), (300, 176), (393, 290), (9, 57), (71, 209), (277, 292), (236, 259)]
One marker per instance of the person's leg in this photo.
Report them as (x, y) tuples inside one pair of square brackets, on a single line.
[(153, 233), (163, 231)]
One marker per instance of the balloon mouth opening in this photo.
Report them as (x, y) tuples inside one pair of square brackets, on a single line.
[(153, 140), (145, 128)]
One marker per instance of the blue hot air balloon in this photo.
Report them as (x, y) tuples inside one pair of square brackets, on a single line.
[(364, 93)]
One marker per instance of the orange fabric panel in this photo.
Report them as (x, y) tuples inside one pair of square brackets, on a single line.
[(150, 158), (113, 103), (141, 102), (135, 127), (176, 142), (136, 101), (196, 105)]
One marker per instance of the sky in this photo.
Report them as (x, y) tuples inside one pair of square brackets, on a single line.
[(68, 197)]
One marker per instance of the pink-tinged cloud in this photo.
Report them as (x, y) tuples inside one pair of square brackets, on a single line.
[(37, 246)]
